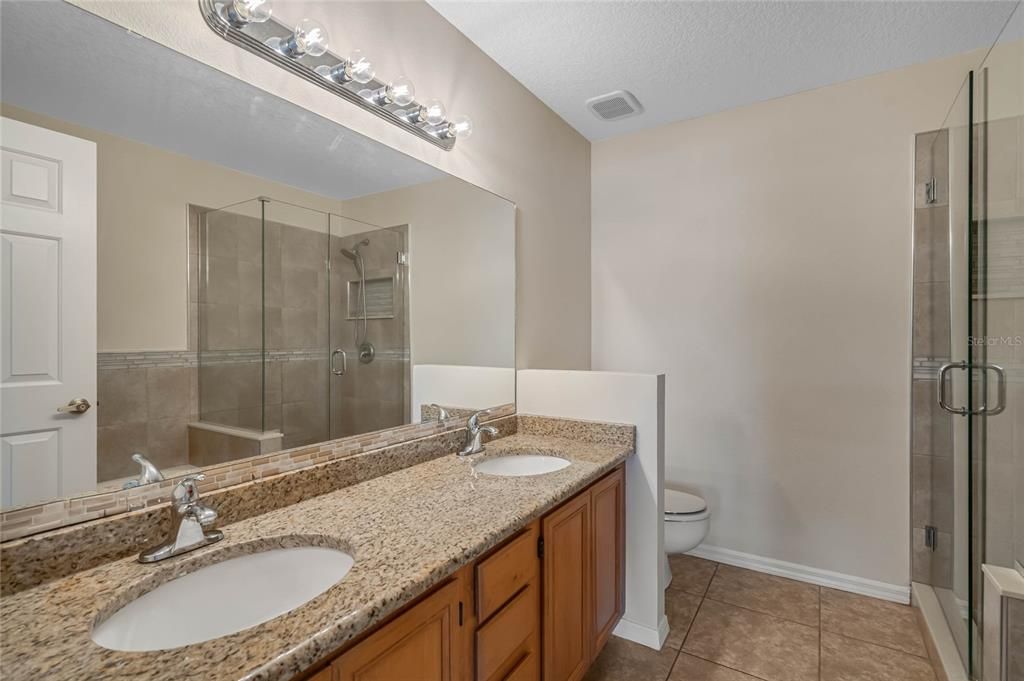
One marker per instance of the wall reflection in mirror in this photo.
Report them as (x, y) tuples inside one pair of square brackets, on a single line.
[(266, 279)]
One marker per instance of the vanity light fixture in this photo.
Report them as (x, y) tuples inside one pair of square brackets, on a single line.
[(400, 91), (308, 37), (432, 112), (460, 126), (356, 68), (301, 48), (242, 12)]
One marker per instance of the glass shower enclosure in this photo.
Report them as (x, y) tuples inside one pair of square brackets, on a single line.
[(302, 329), (968, 342)]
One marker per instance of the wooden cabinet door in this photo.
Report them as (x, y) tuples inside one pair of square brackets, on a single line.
[(568, 624), (323, 675), (422, 644), (607, 506)]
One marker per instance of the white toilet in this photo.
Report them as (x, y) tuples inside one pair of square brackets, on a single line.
[(687, 520)]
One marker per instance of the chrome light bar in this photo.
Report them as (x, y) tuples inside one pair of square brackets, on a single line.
[(302, 49)]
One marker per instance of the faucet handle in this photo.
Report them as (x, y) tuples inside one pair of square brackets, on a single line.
[(186, 492), (473, 424), (442, 413)]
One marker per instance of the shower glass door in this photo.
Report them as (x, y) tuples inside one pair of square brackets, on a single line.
[(982, 496), (370, 381), (995, 323)]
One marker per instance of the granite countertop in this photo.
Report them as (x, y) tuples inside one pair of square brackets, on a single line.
[(408, 531)]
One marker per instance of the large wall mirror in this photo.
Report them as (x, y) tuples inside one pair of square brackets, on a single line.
[(265, 279)]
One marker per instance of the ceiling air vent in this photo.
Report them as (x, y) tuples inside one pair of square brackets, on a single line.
[(614, 105)]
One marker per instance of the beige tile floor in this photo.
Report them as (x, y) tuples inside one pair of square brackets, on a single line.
[(731, 624)]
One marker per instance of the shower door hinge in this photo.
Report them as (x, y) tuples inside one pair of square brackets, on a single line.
[(403, 258), (930, 536), (929, 191)]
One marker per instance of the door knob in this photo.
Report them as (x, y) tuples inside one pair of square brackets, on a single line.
[(79, 405)]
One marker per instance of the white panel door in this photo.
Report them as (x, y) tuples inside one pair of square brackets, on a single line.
[(48, 305)]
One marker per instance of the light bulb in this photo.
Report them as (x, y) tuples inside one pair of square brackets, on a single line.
[(460, 127), (356, 68), (359, 68), (433, 112), (400, 91), (309, 37), (241, 12)]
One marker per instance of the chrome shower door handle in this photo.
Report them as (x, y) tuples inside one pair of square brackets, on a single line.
[(344, 362), (943, 370), (984, 410), (1000, 390)]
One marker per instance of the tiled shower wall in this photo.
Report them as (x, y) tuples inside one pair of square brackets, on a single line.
[(146, 399), (932, 429), (144, 404), (376, 395), (272, 283)]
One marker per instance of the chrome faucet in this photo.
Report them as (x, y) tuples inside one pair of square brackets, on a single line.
[(192, 523), (150, 473), (442, 413), (474, 434)]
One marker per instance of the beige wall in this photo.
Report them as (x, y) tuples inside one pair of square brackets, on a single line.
[(142, 269), (462, 269), (761, 258), (520, 149)]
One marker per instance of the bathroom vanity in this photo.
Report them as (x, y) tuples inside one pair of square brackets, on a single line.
[(559, 580), (456, 574)]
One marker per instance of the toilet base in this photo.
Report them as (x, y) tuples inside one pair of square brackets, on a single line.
[(682, 536)]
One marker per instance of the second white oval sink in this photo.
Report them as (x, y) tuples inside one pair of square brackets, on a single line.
[(223, 598), (524, 464)]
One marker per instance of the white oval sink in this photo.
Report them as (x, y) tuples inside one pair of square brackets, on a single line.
[(524, 464), (223, 598)]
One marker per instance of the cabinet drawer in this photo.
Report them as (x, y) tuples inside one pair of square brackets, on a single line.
[(501, 575), (528, 669), (510, 634)]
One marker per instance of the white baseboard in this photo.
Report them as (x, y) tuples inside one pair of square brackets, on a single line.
[(644, 635), (835, 580)]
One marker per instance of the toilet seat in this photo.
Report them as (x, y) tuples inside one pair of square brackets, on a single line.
[(682, 507), (687, 517)]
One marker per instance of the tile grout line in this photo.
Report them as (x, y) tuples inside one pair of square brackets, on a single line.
[(825, 629), (761, 612), (689, 629), (872, 643), (675, 659), (821, 630), (725, 666), (700, 605)]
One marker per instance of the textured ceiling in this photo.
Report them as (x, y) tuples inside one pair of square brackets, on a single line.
[(689, 59), (100, 76)]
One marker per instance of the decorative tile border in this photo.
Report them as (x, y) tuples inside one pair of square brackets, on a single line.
[(188, 358), (142, 360), (26, 521)]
